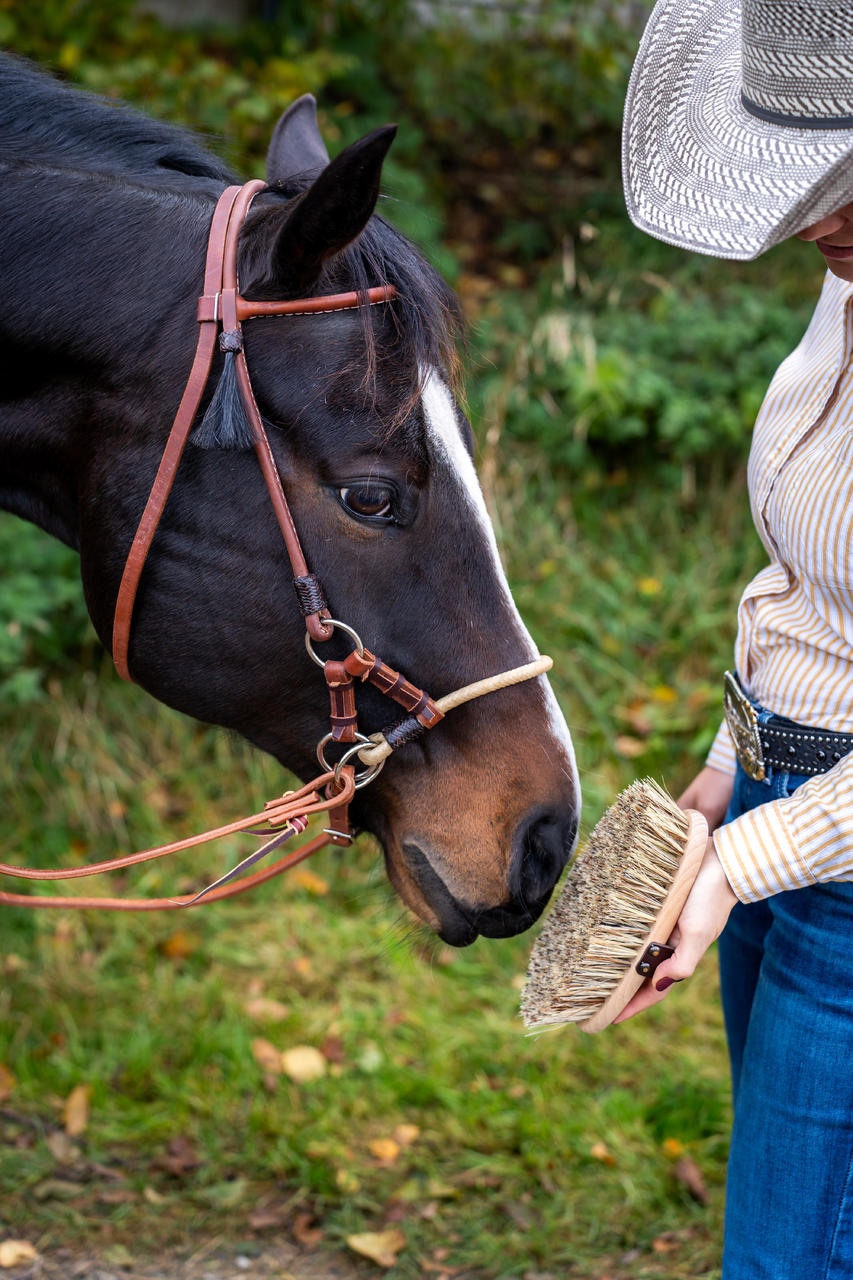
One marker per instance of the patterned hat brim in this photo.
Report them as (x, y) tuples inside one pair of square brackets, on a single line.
[(699, 170)]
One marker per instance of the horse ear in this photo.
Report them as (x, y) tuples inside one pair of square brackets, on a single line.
[(330, 214), (297, 145)]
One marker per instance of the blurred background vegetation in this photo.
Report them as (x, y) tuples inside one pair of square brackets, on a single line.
[(612, 383)]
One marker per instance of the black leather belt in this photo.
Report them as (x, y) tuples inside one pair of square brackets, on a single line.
[(778, 743)]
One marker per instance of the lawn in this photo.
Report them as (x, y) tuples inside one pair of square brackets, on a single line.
[(489, 1151)]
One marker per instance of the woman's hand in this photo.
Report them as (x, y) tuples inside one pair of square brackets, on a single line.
[(710, 793), (702, 920)]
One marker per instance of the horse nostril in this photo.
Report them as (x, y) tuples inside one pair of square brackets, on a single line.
[(542, 847)]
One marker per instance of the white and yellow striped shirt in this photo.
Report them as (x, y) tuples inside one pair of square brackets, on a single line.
[(794, 649)]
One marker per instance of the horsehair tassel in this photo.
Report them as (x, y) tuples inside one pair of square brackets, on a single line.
[(383, 748)]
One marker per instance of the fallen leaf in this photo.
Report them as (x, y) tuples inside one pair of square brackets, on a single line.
[(688, 1173), (118, 1255), (153, 1196), (7, 1082), (309, 880), (75, 1112), (333, 1049), (381, 1247), (181, 1157), (600, 1152), (57, 1189), (267, 1056), (665, 1243), (265, 1010), (303, 1063), (673, 1148), (384, 1149), (180, 945), (303, 1230), (405, 1134), (60, 1146), (627, 746), (14, 1252)]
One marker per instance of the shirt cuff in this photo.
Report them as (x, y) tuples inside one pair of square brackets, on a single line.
[(722, 754), (759, 853)]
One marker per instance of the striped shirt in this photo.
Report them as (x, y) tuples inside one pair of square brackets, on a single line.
[(794, 649)]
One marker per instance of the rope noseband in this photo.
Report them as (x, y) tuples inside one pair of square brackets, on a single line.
[(221, 313)]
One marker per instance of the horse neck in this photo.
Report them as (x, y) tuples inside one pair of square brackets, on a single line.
[(99, 276)]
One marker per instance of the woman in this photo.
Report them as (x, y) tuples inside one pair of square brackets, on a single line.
[(739, 134)]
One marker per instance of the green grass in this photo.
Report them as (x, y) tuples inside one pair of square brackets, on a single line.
[(533, 1154)]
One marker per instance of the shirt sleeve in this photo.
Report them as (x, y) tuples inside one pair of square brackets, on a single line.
[(793, 842), (722, 754)]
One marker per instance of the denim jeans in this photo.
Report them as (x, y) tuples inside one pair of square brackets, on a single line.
[(786, 967)]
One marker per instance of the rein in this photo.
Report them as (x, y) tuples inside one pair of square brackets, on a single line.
[(221, 313)]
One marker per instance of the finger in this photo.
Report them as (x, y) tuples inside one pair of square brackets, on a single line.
[(644, 999)]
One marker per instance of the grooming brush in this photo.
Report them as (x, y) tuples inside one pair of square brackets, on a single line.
[(609, 928)]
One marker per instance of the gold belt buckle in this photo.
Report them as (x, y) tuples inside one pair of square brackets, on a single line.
[(743, 726)]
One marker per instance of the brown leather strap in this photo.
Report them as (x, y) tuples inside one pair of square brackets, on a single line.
[(170, 904), (187, 409), (276, 813)]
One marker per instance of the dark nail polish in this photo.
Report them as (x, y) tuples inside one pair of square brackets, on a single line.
[(664, 984)]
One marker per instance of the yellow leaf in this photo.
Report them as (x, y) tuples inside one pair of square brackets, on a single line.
[(267, 1056), (75, 1112), (180, 945), (308, 879), (347, 1181), (381, 1247), (384, 1149), (664, 693), (405, 1134), (7, 1082), (14, 1252), (266, 1010), (673, 1148), (649, 586), (303, 1063)]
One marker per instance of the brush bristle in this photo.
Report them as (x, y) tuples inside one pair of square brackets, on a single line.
[(608, 903)]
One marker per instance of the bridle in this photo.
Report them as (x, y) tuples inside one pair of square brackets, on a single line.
[(221, 313)]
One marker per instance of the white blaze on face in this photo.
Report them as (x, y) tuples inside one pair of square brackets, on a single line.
[(446, 446)]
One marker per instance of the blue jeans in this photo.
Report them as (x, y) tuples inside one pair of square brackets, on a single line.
[(786, 967)]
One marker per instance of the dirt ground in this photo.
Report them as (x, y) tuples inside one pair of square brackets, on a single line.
[(280, 1262)]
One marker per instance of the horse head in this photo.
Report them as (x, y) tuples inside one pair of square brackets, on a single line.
[(477, 818)]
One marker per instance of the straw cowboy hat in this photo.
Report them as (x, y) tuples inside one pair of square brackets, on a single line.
[(738, 126)]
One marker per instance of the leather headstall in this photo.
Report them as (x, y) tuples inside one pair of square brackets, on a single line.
[(221, 313)]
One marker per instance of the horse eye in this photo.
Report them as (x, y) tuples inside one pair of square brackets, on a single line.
[(373, 501)]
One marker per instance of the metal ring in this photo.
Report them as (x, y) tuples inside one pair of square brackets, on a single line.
[(362, 779), (342, 626)]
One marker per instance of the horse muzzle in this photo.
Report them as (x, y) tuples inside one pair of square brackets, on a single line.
[(542, 845)]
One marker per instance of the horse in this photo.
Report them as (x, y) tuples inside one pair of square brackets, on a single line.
[(105, 218)]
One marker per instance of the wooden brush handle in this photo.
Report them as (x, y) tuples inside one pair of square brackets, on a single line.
[(664, 923)]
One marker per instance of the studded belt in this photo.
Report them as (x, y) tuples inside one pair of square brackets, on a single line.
[(778, 743)]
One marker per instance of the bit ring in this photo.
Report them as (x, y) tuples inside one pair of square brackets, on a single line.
[(361, 779), (342, 626)]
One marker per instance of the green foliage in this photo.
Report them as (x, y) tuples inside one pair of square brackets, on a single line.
[(43, 620), (606, 369)]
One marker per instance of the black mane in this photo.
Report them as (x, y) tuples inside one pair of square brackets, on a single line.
[(45, 122)]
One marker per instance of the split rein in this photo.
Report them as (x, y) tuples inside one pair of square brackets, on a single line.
[(221, 312)]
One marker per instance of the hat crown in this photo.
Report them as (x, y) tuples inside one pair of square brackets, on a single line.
[(798, 62)]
